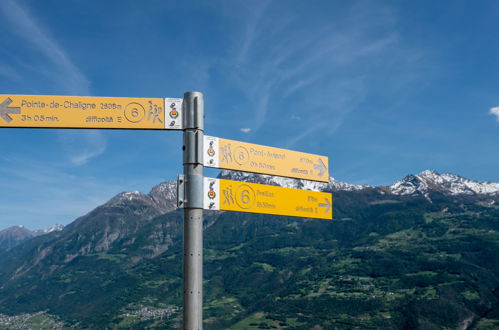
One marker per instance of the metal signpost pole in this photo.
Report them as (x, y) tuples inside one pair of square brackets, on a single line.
[(193, 120)]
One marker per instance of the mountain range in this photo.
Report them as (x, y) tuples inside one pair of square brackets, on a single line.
[(15, 235), (162, 198), (420, 253), (419, 184)]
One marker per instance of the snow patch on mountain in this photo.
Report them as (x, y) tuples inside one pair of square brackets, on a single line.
[(451, 184), (126, 197), (162, 197), (332, 185), (50, 229), (15, 235), (165, 190)]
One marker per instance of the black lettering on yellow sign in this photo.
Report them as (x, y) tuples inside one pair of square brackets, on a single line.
[(259, 198), (85, 112), (248, 157)]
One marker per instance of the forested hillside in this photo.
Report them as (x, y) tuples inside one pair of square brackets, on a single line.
[(385, 261)]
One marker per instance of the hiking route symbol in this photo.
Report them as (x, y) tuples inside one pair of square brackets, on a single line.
[(5, 110)]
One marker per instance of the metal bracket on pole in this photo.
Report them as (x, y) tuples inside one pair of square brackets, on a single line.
[(180, 191), (193, 140), (187, 188)]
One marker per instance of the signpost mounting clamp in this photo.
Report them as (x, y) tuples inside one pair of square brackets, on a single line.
[(180, 191)]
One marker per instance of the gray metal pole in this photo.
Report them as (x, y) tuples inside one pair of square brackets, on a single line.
[(193, 120)]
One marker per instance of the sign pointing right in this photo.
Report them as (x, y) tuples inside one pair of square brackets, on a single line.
[(327, 205), (248, 157), (228, 195), (321, 167)]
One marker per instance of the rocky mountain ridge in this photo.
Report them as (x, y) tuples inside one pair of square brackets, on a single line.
[(15, 235), (159, 198)]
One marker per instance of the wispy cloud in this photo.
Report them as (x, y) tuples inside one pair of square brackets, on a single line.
[(304, 134), (62, 70), (81, 147), (245, 130), (327, 67), (495, 111), (54, 64), (255, 12)]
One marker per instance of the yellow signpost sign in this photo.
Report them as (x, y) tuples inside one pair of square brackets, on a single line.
[(248, 157), (90, 112), (230, 195)]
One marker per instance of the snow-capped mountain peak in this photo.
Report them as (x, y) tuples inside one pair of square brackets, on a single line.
[(53, 228), (48, 230), (161, 197), (338, 185), (445, 183), (164, 195), (422, 183), (127, 196)]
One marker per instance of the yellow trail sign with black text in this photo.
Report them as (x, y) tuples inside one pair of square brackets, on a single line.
[(228, 195), (248, 157), (43, 111)]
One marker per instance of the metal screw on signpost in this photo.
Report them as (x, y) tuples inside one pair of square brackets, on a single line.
[(193, 123)]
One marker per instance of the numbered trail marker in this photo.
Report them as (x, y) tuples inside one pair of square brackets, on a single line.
[(248, 157), (230, 195), (90, 112)]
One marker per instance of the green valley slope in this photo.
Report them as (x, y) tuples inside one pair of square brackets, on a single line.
[(385, 262)]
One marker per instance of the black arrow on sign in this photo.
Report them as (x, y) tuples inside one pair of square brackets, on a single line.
[(5, 110), (321, 167), (327, 205)]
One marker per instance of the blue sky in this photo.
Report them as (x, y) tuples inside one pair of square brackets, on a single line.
[(383, 88)]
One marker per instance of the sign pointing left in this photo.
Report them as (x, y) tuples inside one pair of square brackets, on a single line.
[(5, 110), (90, 112)]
